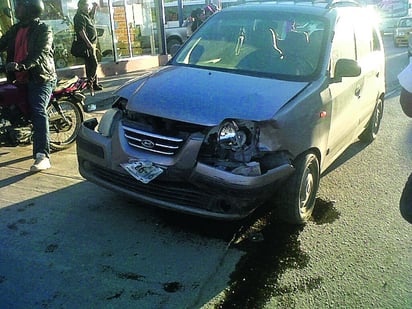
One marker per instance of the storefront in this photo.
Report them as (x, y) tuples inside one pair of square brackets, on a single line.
[(126, 29), (133, 33)]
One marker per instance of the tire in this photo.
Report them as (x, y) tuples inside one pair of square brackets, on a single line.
[(298, 194), (61, 63), (374, 123), (171, 42), (62, 133)]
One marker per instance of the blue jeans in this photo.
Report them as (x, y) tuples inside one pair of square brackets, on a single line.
[(39, 97)]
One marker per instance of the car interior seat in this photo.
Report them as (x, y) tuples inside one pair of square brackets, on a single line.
[(262, 43), (295, 50), (314, 47)]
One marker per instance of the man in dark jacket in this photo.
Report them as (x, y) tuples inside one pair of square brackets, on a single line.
[(198, 15), (86, 31), (30, 63)]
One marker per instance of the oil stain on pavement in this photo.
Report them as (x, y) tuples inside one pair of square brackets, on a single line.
[(271, 247)]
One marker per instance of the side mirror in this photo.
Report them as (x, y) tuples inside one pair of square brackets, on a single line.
[(346, 68)]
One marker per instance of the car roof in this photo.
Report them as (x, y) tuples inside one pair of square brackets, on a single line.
[(323, 9), (315, 7)]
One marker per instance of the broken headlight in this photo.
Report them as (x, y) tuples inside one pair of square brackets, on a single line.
[(243, 147), (232, 140), (230, 136)]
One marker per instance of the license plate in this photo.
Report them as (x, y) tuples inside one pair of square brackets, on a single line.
[(143, 171)]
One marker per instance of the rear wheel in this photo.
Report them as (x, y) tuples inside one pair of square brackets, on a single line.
[(298, 194), (374, 124), (64, 126), (172, 42)]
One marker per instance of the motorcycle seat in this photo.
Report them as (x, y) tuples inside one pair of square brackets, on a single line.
[(65, 83)]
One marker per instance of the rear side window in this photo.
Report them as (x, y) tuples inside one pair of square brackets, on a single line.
[(363, 35), (343, 45), (376, 44)]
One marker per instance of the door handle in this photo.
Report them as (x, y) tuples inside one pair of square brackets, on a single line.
[(357, 92)]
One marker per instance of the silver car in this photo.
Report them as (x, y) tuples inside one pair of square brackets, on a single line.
[(251, 110)]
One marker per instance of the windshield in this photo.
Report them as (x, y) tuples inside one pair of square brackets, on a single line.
[(282, 44)]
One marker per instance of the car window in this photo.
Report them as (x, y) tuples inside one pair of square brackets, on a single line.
[(285, 45), (363, 36), (343, 45), (407, 22), (376, 43)]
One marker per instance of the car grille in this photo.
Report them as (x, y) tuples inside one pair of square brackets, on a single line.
[(169, 192), (152, 142)]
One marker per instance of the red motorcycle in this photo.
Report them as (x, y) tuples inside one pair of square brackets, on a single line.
[(66, 110)]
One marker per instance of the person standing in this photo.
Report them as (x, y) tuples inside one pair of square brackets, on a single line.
[(30, 64), (198, 15), (86, 31)]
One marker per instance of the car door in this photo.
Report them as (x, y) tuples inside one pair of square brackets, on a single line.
[(370, 56), (344, 93)]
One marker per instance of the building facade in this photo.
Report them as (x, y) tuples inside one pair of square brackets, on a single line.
[(132, 34)]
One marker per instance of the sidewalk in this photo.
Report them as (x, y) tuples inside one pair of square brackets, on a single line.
[(103, 99)]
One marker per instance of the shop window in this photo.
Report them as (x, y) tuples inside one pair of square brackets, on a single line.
[(135, 28), (59, 15)]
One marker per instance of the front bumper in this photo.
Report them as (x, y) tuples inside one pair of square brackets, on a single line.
[(186, 185)]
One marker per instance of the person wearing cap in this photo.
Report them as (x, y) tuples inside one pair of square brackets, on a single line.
[(198, 16), (86, 31), (30, 65)]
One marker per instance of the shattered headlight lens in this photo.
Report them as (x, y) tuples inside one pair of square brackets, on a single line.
[(120, 103), (230, 136)]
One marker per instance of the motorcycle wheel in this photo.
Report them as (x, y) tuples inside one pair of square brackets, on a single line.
[(64, 130)]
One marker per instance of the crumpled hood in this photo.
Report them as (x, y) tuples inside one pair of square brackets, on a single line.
[(207, 97)]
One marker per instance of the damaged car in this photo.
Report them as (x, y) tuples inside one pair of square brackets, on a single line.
[(251, 110)]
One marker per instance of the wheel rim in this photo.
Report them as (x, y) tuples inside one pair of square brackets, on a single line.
[(377, 118), (306, 190), (61, 63), (63, 135)]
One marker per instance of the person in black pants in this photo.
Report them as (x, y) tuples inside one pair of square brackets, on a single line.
[(86, 31)]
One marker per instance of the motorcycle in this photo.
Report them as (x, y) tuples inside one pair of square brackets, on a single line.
[(65, 111)]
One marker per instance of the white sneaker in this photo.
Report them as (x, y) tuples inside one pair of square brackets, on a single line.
[(41, 163)]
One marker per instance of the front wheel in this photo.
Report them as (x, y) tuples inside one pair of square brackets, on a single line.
[(298, 193), (64, 125)]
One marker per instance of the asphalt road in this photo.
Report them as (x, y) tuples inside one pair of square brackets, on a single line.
[(66, 243)]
